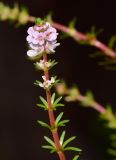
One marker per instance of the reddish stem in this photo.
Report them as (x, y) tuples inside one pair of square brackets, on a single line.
[(52, 117), (94, 105), (78, 36)]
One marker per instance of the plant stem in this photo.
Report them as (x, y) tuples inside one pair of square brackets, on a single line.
[(95, 105), (78, 36), (52, 117)]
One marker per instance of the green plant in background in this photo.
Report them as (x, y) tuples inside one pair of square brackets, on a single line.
[(105, 113), (42, 41)]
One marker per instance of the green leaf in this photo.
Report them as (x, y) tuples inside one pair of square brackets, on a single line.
[(44, 101), (62, 137), (112, 42), (73, 149), (62, 123), (88, 100), (57, 100), (37, 83), (76, 157), (72, 23), (59, 117), (42, 106), (48, 147), (53, 150), (59, 105), (113, 137), (39, 21), (68, 141), (43, 124), (50, 141), (113, 144), (53, 63), (112, 152), (53, 97)]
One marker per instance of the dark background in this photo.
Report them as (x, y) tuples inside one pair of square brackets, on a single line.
[(20, 135)]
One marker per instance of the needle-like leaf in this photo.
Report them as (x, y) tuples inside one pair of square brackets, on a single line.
[(62, 137), (68, 141), (49, 141)]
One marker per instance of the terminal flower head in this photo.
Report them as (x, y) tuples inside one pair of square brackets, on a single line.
[(42, 38)]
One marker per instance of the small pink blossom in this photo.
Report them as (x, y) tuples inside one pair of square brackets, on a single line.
[(47, 83), (51, 34), (49, 47), (42, 38), (34, 53)]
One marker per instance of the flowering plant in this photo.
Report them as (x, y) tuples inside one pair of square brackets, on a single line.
[(42, 41)]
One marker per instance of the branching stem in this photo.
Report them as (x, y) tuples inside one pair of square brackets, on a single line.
[(78, 36)]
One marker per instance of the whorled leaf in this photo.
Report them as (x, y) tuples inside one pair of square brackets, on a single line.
[(60, 123), (43, 124), (76, 157)]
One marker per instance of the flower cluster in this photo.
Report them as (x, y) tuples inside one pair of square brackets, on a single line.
[(42, 65), (41, 38), (47, 83)]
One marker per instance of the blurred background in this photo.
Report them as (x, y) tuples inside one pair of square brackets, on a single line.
[(20, 135)]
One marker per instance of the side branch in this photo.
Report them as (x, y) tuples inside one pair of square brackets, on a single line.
[(81, 37), (87, 100)]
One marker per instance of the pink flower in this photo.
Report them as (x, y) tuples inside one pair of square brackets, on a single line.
[(42, 38), (35, 37), (34, 53), (49, 47), (51, 34)]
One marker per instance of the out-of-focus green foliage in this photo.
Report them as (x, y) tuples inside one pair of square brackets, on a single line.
[(16, 14)]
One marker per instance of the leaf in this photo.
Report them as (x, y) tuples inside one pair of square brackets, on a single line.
[(53, 97), (44, 101), (113, 144), (62, 123), (59, 105), (89, 99), (37, 83), (73, 149), (39, 21), (42, 106), (53, 63), (48, 147), (112, 42), (53, 150), (112, 152), (113, 137), (76, 157), (62, 137), (57, 100), (43, 124), (89, 95), (59, 117), (68, 141), (72, 23), (50, 141)]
